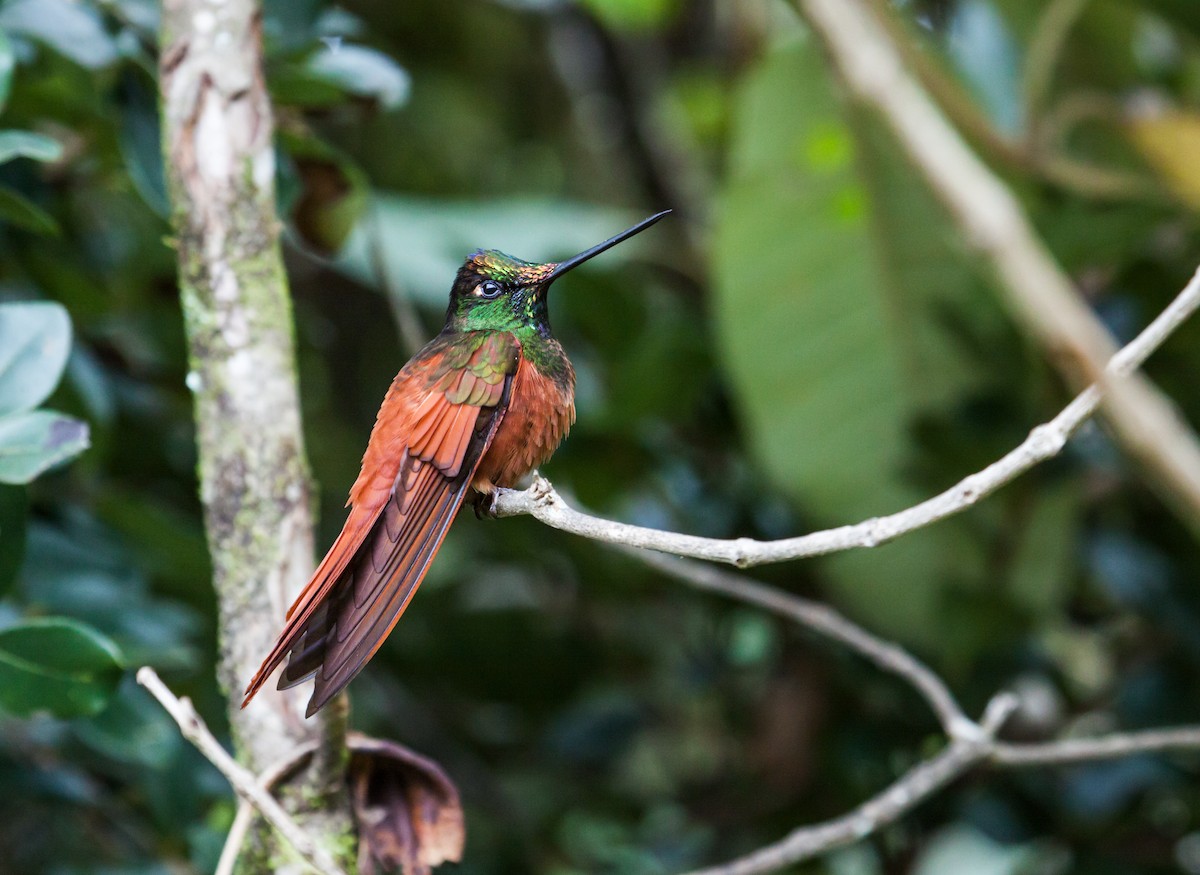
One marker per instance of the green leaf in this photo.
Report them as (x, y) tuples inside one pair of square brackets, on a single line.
[(801, 315), (362, 71), (837, 285), (295, 84), (27, 144), (140, 144), (24, 213), (35, 340), (33, 442), (632, 15), (933, 290), (74, 30), (56, 665)]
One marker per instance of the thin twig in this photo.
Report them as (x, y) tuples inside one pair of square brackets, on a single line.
[(1047, 440), (894, 659), (971, 743), (243, 782), (1054, 166), (991, 219), (234, 840), (244, 818), (914, 786)]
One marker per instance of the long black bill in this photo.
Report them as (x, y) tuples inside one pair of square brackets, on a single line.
[(571, 263)]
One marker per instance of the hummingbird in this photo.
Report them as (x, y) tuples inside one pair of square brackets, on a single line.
[(480, 406)]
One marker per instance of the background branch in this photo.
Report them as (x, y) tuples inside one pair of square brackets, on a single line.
[(1044, 442), (971, 743), (1040, 295), (246, 785)]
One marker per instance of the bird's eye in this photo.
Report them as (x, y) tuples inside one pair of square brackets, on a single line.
[(489, 289)]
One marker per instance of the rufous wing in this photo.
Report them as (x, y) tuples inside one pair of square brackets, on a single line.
[(436, 423)]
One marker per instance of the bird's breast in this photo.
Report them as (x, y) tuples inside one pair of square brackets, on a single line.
[(541, 410)]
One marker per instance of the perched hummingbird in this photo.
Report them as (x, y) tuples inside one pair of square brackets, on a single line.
[(480, 406)]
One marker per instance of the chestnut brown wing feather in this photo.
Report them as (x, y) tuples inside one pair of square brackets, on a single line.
[(440, 418), (380, 581)]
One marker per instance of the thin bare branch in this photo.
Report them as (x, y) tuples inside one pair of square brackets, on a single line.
[(1046, 441), (244, 818), (1105, 747), (1040, 295), (242, 780), (913, 787), (971, 743)]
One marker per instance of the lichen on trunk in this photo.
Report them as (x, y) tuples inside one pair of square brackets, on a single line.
[(254, 479)]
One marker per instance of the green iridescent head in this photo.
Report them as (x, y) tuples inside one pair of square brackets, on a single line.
[(497, 292)]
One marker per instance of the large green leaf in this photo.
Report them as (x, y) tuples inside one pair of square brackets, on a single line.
[(35, 340), (799, 304), (937, 298), (56, 665), (33, 442), (839, 284)]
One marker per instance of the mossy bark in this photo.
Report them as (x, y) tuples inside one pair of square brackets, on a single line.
[(254, 480)]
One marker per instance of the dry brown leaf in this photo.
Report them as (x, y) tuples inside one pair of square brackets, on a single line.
[(408, 811)]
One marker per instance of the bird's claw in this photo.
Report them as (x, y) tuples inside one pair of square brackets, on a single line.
[(484, 504)]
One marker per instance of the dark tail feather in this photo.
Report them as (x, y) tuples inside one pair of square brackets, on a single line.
[(367, 601)]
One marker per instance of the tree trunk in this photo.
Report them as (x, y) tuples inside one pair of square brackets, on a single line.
[(254, 482)]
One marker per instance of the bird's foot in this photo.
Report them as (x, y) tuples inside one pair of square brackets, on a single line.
[(484, 504)]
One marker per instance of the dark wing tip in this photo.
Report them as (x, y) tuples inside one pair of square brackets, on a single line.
[(320, 697)]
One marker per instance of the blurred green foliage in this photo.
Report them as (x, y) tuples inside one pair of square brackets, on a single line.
[(806, 342)]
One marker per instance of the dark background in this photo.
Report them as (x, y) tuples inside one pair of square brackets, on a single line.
[(807, 342)]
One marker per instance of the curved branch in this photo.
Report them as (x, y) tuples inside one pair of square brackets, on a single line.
[(913, 787), (243, 781), (1046, 441), (971, 743)]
